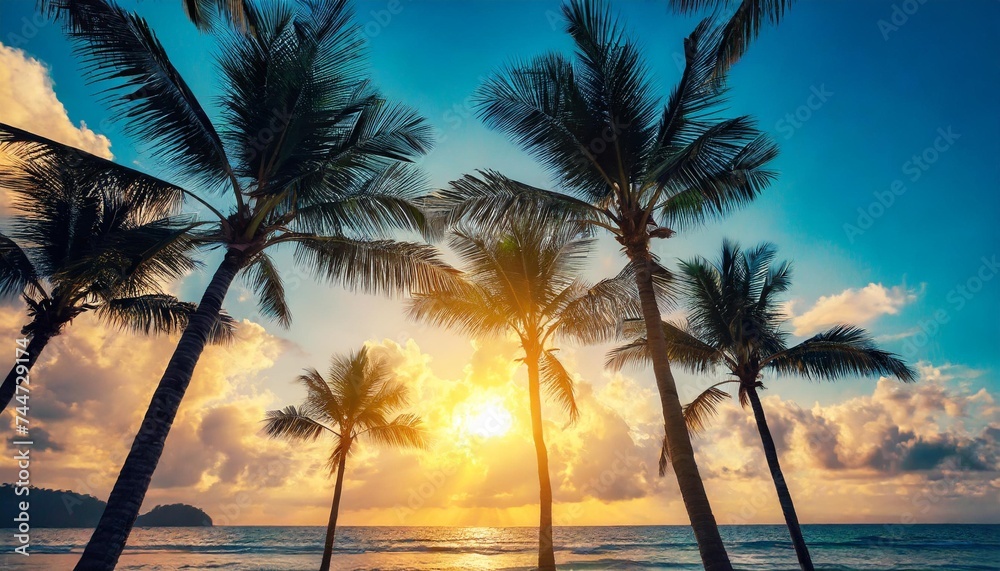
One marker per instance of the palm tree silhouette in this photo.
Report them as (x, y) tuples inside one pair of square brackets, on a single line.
[(89, 236), (734, 322), (521, 279), (635, 168), (311, 155), (354, 401)]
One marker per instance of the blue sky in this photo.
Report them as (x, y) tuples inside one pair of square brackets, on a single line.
[(886, 202), (865, 93)]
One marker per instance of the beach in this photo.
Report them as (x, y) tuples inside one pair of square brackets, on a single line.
[(752, 548)]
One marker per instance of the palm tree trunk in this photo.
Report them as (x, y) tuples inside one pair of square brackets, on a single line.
[(34, 349), (784, 496), (706, 530), (331, 526), (546, 555), (108, 540)]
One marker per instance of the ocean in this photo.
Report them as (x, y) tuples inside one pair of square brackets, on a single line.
[(752, 548)]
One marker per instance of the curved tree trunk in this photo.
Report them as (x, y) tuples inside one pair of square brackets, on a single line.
[(706, 530), (108, 540), (546, 555), (331, 526), (9, 387), (784, 496)]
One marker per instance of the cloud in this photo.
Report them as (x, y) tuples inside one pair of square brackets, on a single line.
[(30, 102), (852, 306), (937, 439)]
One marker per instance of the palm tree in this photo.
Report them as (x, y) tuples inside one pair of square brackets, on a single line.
[(311, 155), (521, 280), (734, 322), (743, 25), (88, 236), (354, 401), (636, 168)]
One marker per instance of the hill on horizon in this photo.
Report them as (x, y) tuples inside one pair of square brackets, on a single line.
[(65, 508)]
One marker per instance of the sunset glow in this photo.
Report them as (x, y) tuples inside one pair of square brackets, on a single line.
[(504, 271), (482, 417)]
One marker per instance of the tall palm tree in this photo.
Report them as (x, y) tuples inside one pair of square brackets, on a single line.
[(633, 166), (354, 401), (742, 26), (734, 323), (310, 154), (521, 279), (88, 236)]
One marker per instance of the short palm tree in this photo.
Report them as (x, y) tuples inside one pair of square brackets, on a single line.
[(354, 401), (743, 25), (734, 323), (310, 155), (88, 236), (521, 279), (632, 165)]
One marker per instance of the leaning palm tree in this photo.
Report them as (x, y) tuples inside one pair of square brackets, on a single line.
[(632, 166), (521, 279), (310, 155), (741, 27), (88, 236), (354, 401), (734, 323)]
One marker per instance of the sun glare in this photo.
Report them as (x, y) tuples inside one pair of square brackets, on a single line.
[(487, 418)]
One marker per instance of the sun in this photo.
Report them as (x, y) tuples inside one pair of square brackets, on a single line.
[(482, 418)]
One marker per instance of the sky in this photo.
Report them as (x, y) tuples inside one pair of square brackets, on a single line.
[(886, 203)]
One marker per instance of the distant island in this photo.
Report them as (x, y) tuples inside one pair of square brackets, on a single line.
[(64, 508)]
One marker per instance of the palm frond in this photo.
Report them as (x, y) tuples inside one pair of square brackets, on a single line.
[(374, 207), (204, 14), (265, 279), (292, 424), (597, 315), (720, 171), (614, 81), (844, 350), (160, 313), (664, 462), (404, 431), (466, 308), (631, 355), (698, 412), (541, 107), (375, 266), (485, 200), (145, 91), (692, 101), (16, 270), (683, 347), (558, 383), (743, 26)]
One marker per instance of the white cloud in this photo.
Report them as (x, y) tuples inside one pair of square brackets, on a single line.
[(30, 102), (852, 306)]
